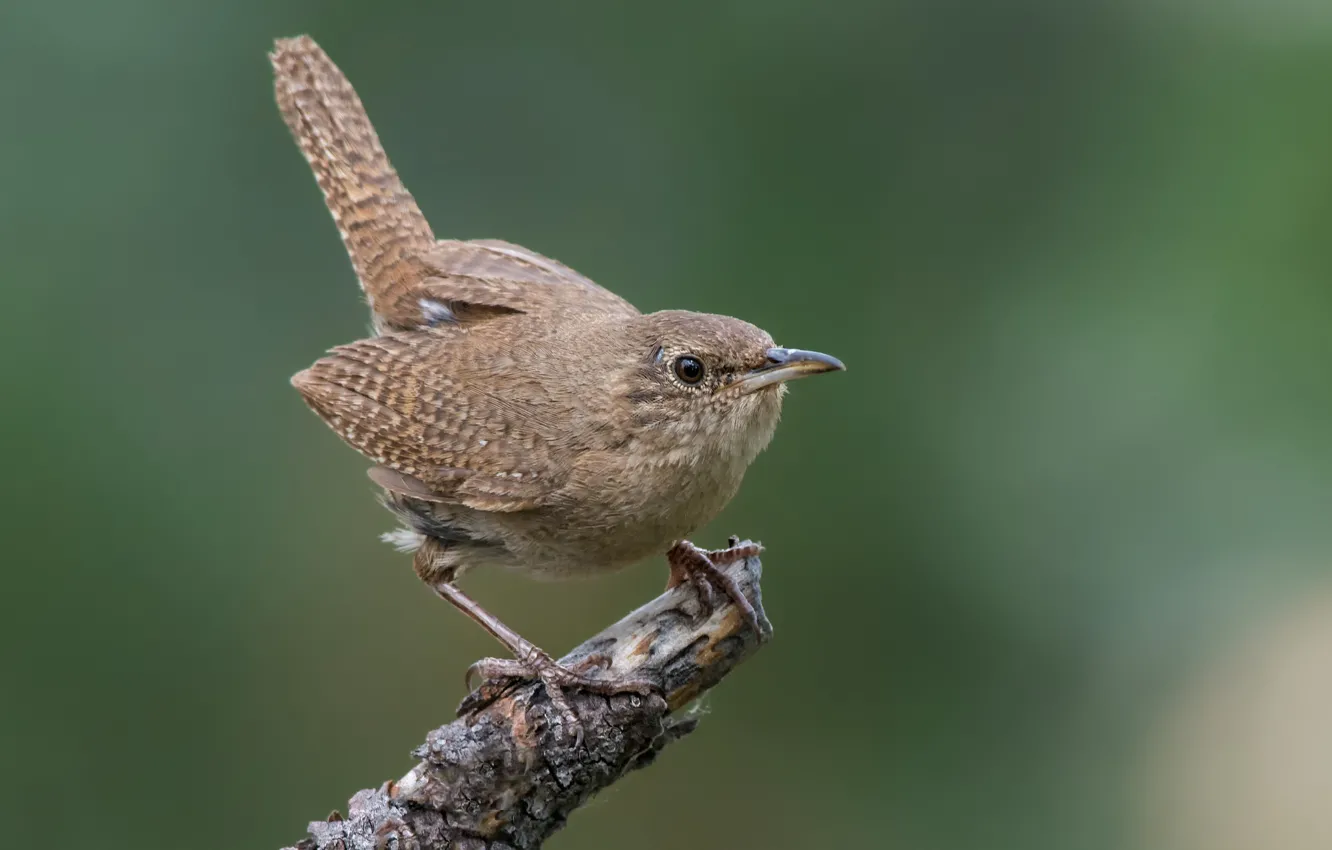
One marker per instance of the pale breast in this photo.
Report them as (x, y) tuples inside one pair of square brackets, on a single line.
[(621, 504), (618, 512)]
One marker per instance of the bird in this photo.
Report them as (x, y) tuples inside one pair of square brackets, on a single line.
[(516, 414)]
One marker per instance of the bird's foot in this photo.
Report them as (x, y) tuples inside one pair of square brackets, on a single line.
[(499, 675), (703, 569)]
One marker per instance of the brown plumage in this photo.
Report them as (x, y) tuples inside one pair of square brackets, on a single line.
[(518, 414)]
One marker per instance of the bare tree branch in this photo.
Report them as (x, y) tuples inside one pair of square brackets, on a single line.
[(509, 775)]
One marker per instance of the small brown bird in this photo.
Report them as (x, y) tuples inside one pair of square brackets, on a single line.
[(520, 415)]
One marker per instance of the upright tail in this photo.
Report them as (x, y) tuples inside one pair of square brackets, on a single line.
[(381, 225)]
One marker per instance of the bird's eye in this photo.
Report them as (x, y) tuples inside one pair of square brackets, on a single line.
[(689, 369)]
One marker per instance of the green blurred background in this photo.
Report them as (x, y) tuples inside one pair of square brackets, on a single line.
[(1050, 566)]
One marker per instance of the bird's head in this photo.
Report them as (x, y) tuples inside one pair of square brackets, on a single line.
[(710, 381)]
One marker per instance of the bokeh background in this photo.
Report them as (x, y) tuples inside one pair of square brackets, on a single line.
[(1050, 566)]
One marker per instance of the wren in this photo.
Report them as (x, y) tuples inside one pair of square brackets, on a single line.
[(518, 414)]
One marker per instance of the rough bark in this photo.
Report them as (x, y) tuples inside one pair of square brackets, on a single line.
[(507, 776)]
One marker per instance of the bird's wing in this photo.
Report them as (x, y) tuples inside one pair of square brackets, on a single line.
[(461, 443), (409, 278), (500, 274)]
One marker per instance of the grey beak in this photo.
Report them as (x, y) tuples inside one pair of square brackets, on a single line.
[(786, 364)]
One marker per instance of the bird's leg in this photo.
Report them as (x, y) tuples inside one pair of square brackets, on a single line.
[(530, 662), (702, 569)]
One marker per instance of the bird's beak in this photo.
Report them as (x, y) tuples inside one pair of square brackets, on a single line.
[(784, 364)]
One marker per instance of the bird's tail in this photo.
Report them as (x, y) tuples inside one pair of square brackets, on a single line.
[(381, 225)]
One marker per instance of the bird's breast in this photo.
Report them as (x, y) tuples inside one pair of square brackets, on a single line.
[(618, 508), (631, 500)]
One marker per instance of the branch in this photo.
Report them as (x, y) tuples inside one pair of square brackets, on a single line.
[(507, 776)]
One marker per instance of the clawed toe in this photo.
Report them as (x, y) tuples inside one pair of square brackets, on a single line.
[(702, 582), (702, 569), (733, 552), (500, 675)]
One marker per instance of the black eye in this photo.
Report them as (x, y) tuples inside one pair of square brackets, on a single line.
[(689, 369)]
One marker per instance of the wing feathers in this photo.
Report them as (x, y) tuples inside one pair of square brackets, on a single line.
[(434, 438), (491, 271)]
